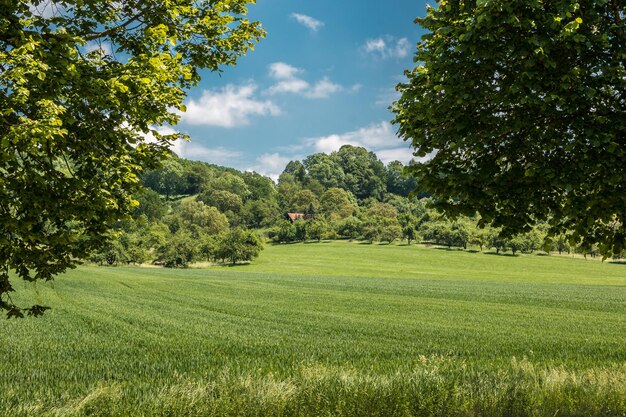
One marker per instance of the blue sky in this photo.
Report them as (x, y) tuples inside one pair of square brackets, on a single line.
[(323, 77)]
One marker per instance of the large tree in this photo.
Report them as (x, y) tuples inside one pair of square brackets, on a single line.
[(83, 86), (521, 105), (364, 172)]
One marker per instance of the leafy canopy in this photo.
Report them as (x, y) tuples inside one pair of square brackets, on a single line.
[(84, 84), (521, 105)]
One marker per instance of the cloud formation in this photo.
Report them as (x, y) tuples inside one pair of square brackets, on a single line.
[(308, 21), (288, 80), (374, 137), (387, 47), (271, 165), (378, 138), (228, 107)]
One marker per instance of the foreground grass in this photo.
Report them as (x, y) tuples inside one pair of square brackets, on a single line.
[(326, 329)]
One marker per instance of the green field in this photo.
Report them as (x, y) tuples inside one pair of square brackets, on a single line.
[(325, 329)]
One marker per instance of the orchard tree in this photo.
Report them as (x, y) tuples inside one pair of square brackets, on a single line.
[(521, 106), (317, 229), (337, 203), (238, 245), (85, 87), (350, 227)]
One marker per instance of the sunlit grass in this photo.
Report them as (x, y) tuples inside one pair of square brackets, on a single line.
[(334, 329)]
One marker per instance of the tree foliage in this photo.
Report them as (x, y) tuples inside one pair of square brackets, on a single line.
[(238, 245), (83, 85), (521, 106)]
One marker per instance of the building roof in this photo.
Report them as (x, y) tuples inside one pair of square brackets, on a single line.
[(295, 216)]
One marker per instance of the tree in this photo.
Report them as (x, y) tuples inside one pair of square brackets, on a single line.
[(231, 183), (285, 232), (260, 187), (317, 229), (225, 201), (150, 205), (83, 91), (520, 105), (260, 213), (207, 219), (179, 250), (287, 188), (238, 245), (479, 237), (300, 230), (196, 175), (381, 223), (350, 227), (324, 169), (168, 179), (409, 233), (337, 204), (302, 199), (364, 173), (296, 169), (398, 182)]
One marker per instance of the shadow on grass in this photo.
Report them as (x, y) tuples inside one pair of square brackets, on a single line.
[(283, 243), (510, 255), (618, 262), (231, 265)]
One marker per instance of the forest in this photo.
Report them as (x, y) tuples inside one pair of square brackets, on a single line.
[(192, 211)]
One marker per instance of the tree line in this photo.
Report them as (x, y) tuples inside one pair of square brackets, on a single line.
[(193, 211)]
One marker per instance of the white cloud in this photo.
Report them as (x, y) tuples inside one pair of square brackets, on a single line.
[(378, 137), (308, 21), (323, 88), (283, 71), (228, 107), (387, 47), (374, 137), (288, 81), (403, 155), (375, 45), (176, 147), (219, 155), (294, 86), (195, 151), (271, 164)]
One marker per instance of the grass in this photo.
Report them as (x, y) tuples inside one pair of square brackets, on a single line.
[(326, 329)]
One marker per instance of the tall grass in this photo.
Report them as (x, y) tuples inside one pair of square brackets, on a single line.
[(437, 387)]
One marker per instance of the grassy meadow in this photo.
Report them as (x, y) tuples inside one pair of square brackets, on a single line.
[(335, 329)]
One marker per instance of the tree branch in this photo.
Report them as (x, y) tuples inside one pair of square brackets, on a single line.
[(115, 29)]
